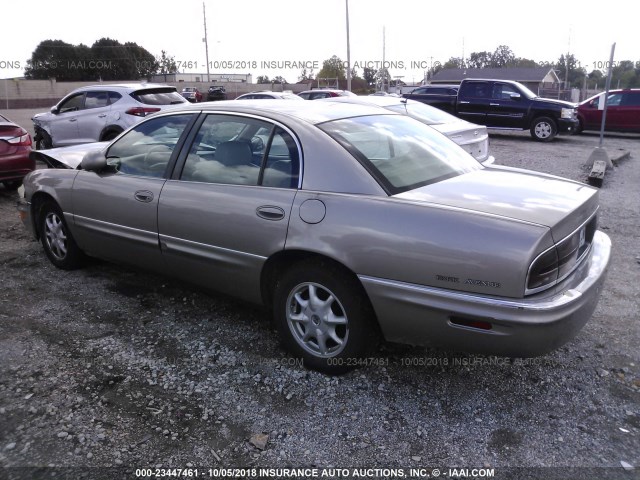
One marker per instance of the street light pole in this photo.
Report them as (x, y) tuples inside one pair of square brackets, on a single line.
[(348, 51), (206, 42)]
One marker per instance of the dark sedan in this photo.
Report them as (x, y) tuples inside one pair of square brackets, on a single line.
[(15, 146)]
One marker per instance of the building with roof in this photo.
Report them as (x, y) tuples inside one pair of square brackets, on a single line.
[(537, 79)]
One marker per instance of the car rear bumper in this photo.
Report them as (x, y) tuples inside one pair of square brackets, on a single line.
[(16, 165), (528, 327)]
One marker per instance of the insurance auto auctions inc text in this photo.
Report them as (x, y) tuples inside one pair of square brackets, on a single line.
[(349, 473)]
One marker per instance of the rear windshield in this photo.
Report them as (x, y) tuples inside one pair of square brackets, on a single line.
[(424, 113), (400, 152), (158, 96)]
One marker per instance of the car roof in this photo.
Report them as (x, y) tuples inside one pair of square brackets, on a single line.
[(378, 100), (131, 86), (311, 112)]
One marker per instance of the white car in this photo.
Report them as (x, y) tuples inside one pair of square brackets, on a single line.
[(99, 113), (268, 95), (473, 138)]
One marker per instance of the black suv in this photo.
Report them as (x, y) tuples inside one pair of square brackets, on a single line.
[(216, 92)]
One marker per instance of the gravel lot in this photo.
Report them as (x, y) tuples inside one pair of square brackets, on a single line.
[(112, 367)]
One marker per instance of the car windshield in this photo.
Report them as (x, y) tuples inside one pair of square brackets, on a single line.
[(424, 113), (158, 96), (400, 152)]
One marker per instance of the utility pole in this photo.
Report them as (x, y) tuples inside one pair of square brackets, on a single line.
[(205, 40), (384, 46), (348, 51), (566, 63)]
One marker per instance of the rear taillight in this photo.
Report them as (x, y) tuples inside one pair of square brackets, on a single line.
[(22, 141), (142, 111), (544, 270), (558, 262)]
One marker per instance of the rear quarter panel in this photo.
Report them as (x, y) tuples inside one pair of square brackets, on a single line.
[(419, 243)]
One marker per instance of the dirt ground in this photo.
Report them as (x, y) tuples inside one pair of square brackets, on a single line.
[(106, 370)]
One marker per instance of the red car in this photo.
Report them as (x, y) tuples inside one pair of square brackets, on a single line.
[(192, 94), (15, 147), (623, 112), (324, 93)]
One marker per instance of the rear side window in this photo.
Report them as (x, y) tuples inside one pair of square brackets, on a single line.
[(96, 100), (158, 96), (475, 90), (114, 97), (631, 99), (242, 151)]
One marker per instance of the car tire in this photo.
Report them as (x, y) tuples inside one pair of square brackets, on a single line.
[(543, 129), (323, 316), (56, 238), (12, 184), (580, 126), (44, 141)]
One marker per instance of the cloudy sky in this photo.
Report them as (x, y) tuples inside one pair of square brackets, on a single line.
[(259, 36)]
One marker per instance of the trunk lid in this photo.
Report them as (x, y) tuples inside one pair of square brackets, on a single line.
[(559, 204)]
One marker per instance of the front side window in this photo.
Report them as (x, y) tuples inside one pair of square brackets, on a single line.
[(242, 151), (72, 104), (147, 148), (401, 153), (502, 91)]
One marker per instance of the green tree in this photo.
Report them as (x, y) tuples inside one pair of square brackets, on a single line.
[(333, 68), (479, 60), (279, 80), (502, 57), (382, 78), (262, 79), (524, 63), (166, 64), (370, 76), (50, 59), (576, 72), (145, 64), (453, 62), (305, 76)]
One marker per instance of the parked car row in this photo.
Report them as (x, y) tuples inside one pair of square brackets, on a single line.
[(503, 104), (349, 221), (102, 112)]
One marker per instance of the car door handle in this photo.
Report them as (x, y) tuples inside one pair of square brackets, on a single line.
[(269, 212), (494, 104), (102, 115), (464, 101), (143, 196), (72, 119)]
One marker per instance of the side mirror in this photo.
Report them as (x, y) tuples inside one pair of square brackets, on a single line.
[(515, 96), (94, 161), (54, 110)]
